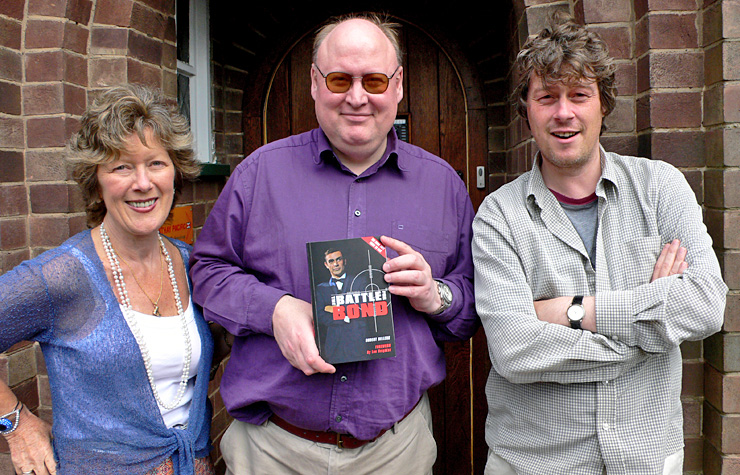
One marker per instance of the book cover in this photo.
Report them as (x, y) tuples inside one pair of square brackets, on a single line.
[(352, 313)]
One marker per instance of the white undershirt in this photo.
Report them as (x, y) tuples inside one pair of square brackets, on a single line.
[(165, 341)]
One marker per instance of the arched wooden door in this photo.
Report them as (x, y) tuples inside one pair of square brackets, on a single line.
[(439, 120)]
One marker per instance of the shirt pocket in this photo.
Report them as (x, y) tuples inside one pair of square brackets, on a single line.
[(434, 245), (639, 258)]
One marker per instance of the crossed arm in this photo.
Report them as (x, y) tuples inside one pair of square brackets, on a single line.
[(672, 261)]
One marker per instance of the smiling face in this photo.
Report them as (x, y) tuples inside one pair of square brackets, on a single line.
[(565, 120), (356, 122), (138, 188)]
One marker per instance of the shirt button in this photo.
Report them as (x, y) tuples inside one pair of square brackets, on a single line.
[(605, 425), (615, 338), (343, 379), (338, 418), (358, 212), (606, 382)]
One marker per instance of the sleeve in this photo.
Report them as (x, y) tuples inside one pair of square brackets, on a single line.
[(25, 305), (459, 321), (658, 316), (522, 348), (223, 285)]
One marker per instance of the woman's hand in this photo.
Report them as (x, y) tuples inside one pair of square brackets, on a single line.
[(30, 446)]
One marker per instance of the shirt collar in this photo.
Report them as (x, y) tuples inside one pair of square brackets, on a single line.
[(537, 191), (391, 157)]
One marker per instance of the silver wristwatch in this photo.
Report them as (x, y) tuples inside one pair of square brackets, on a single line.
[(445, 293), (576, 312)]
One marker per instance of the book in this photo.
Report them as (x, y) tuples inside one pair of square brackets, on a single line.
[(352, 311)]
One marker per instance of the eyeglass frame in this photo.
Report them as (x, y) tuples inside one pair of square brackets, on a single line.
[(326, 80)]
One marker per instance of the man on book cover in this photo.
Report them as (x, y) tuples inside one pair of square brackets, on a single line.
[(345, 337)]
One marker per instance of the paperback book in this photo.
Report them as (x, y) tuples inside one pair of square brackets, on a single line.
[(352, 312)]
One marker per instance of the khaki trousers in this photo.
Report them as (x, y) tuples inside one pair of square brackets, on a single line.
[(407, 448)]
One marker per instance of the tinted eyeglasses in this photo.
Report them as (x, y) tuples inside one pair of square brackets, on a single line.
[(374, 83)]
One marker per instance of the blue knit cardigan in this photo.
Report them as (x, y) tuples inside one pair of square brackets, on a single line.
[(106, 419)]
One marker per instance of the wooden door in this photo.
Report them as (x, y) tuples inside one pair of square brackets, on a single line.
[(440, 121)]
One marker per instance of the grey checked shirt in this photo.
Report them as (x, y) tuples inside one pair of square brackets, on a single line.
[(565, 401)]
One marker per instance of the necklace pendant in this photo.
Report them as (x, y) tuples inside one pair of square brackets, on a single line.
[(156, 311)]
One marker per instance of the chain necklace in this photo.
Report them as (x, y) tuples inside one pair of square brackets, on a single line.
[(155, 304), (131, 319)]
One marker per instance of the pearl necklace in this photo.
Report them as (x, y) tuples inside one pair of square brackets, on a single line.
[(131, 318)]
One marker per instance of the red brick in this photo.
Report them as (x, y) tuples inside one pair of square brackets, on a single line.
[(681, 149), (723, 187), (143, 73), (46, 132), (109, 40), (75, 69), (10, 33), (21, 365), (44, 34), (715, 463), (10, 98), (625, 78), (11, 65), (693, 379), (669, 109), (113, 12), (79, 11), (48, 231), (732, 313), (666, 31), (75, 38), (75, 99), (622, 118), (45, 66), (145, 49), (723, 147), (50, 198), (11, 166), (10, 259), (11, 131), (43, 99), (165, 6), (618, 39), (13, 200), (13, 233), (148, 22), (603, 11), (46, 8), (722, 390), (691, 417), (12, 8), (108, 72), (663, 69), (722, 430), (693, 454)]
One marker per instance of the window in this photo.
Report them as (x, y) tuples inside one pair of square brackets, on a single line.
[(193, 72)]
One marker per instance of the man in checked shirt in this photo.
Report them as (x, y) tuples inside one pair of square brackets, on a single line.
[(590, 270)]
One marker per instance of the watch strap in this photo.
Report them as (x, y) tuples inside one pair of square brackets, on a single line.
[(445, 302), (577, 300)]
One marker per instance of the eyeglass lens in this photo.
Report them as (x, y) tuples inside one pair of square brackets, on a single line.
[(374, 83)]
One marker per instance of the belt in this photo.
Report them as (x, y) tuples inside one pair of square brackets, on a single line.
[(342, 441)]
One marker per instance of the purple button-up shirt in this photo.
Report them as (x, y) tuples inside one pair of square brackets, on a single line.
[(252, 251)]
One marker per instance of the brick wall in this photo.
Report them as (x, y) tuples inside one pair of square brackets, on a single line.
[(54, 58)]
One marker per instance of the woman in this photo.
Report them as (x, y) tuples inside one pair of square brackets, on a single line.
[(126, 351)]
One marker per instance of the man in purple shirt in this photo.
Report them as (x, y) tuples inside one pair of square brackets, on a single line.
[(351, 177)]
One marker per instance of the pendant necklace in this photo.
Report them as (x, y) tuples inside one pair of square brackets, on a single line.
[(131, 318)]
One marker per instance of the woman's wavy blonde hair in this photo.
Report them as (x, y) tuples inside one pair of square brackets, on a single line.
[(108, 123)]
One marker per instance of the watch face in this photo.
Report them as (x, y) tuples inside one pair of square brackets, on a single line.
[(576, 313)]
